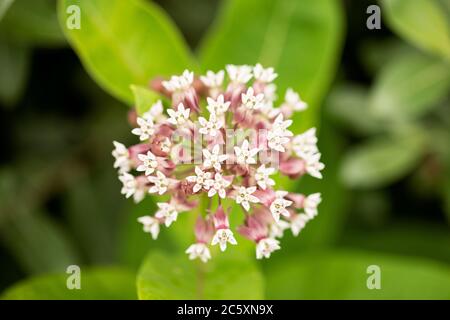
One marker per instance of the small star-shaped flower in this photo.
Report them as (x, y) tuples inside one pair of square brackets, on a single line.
[(160, 183), (202, 179), (210, 127), (213, 80), (151, 225), (265, 247), (121, 155), (179, 117), (313, 165), (213, 159), (218, 185), (244, 197), (252, 101), (298, 223), (245, 155), (218, 106), (131, 187), (155, 113), (198, 250), (279, 205), (167, 212), (145, 130), (311, 203), (305, 143), (293, 101), (179, 83), (264, 75), (223, 236), (149, 163), (239, 74), (262, 177)]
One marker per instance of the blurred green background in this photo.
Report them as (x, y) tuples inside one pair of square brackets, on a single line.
[(380, 99)]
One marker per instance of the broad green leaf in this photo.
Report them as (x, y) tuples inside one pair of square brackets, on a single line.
[(422, 22), (33, 23), (300, 39), (226, 276), (144, 98), (381, 161), (409, 86), (4, 6), (343, 275), (14, 63), (106, 283), (125, 42)]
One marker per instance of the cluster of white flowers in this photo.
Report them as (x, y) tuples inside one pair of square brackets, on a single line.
[(205, 108)]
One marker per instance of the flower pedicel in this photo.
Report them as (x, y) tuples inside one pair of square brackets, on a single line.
[(239, 140)]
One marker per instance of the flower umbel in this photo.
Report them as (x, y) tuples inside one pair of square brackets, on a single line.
[(214, 143)]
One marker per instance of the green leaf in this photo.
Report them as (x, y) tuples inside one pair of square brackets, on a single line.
[(4, 6), (107, 283), (125, 42), (343, 275), (33, 23), (227, 276), (14, 63), (409, 86), (24, 232), (347, 104), (300, 39), (144, 98), (381, 161), (422, 22)]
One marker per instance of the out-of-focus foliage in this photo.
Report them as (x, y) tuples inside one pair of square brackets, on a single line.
[(108, 283), (382, 160), (163, 276), (422, 22), (24, 24), (126, 42), (343, 275), (383, 136), (300, 39), (409, 86)]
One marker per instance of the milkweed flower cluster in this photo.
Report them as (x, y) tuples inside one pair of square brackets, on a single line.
[(216, 142)]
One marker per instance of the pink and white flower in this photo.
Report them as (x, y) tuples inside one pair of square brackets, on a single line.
[(245, 155), (251, 101), (122, 157), (221, 134), (150, 225), (145, 130), (245, 196), (223, 233), (201, 180), (160, 183), (149, 163), (218, 186), (178, 117), (167, 212), (262, 177), (213, 159)]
